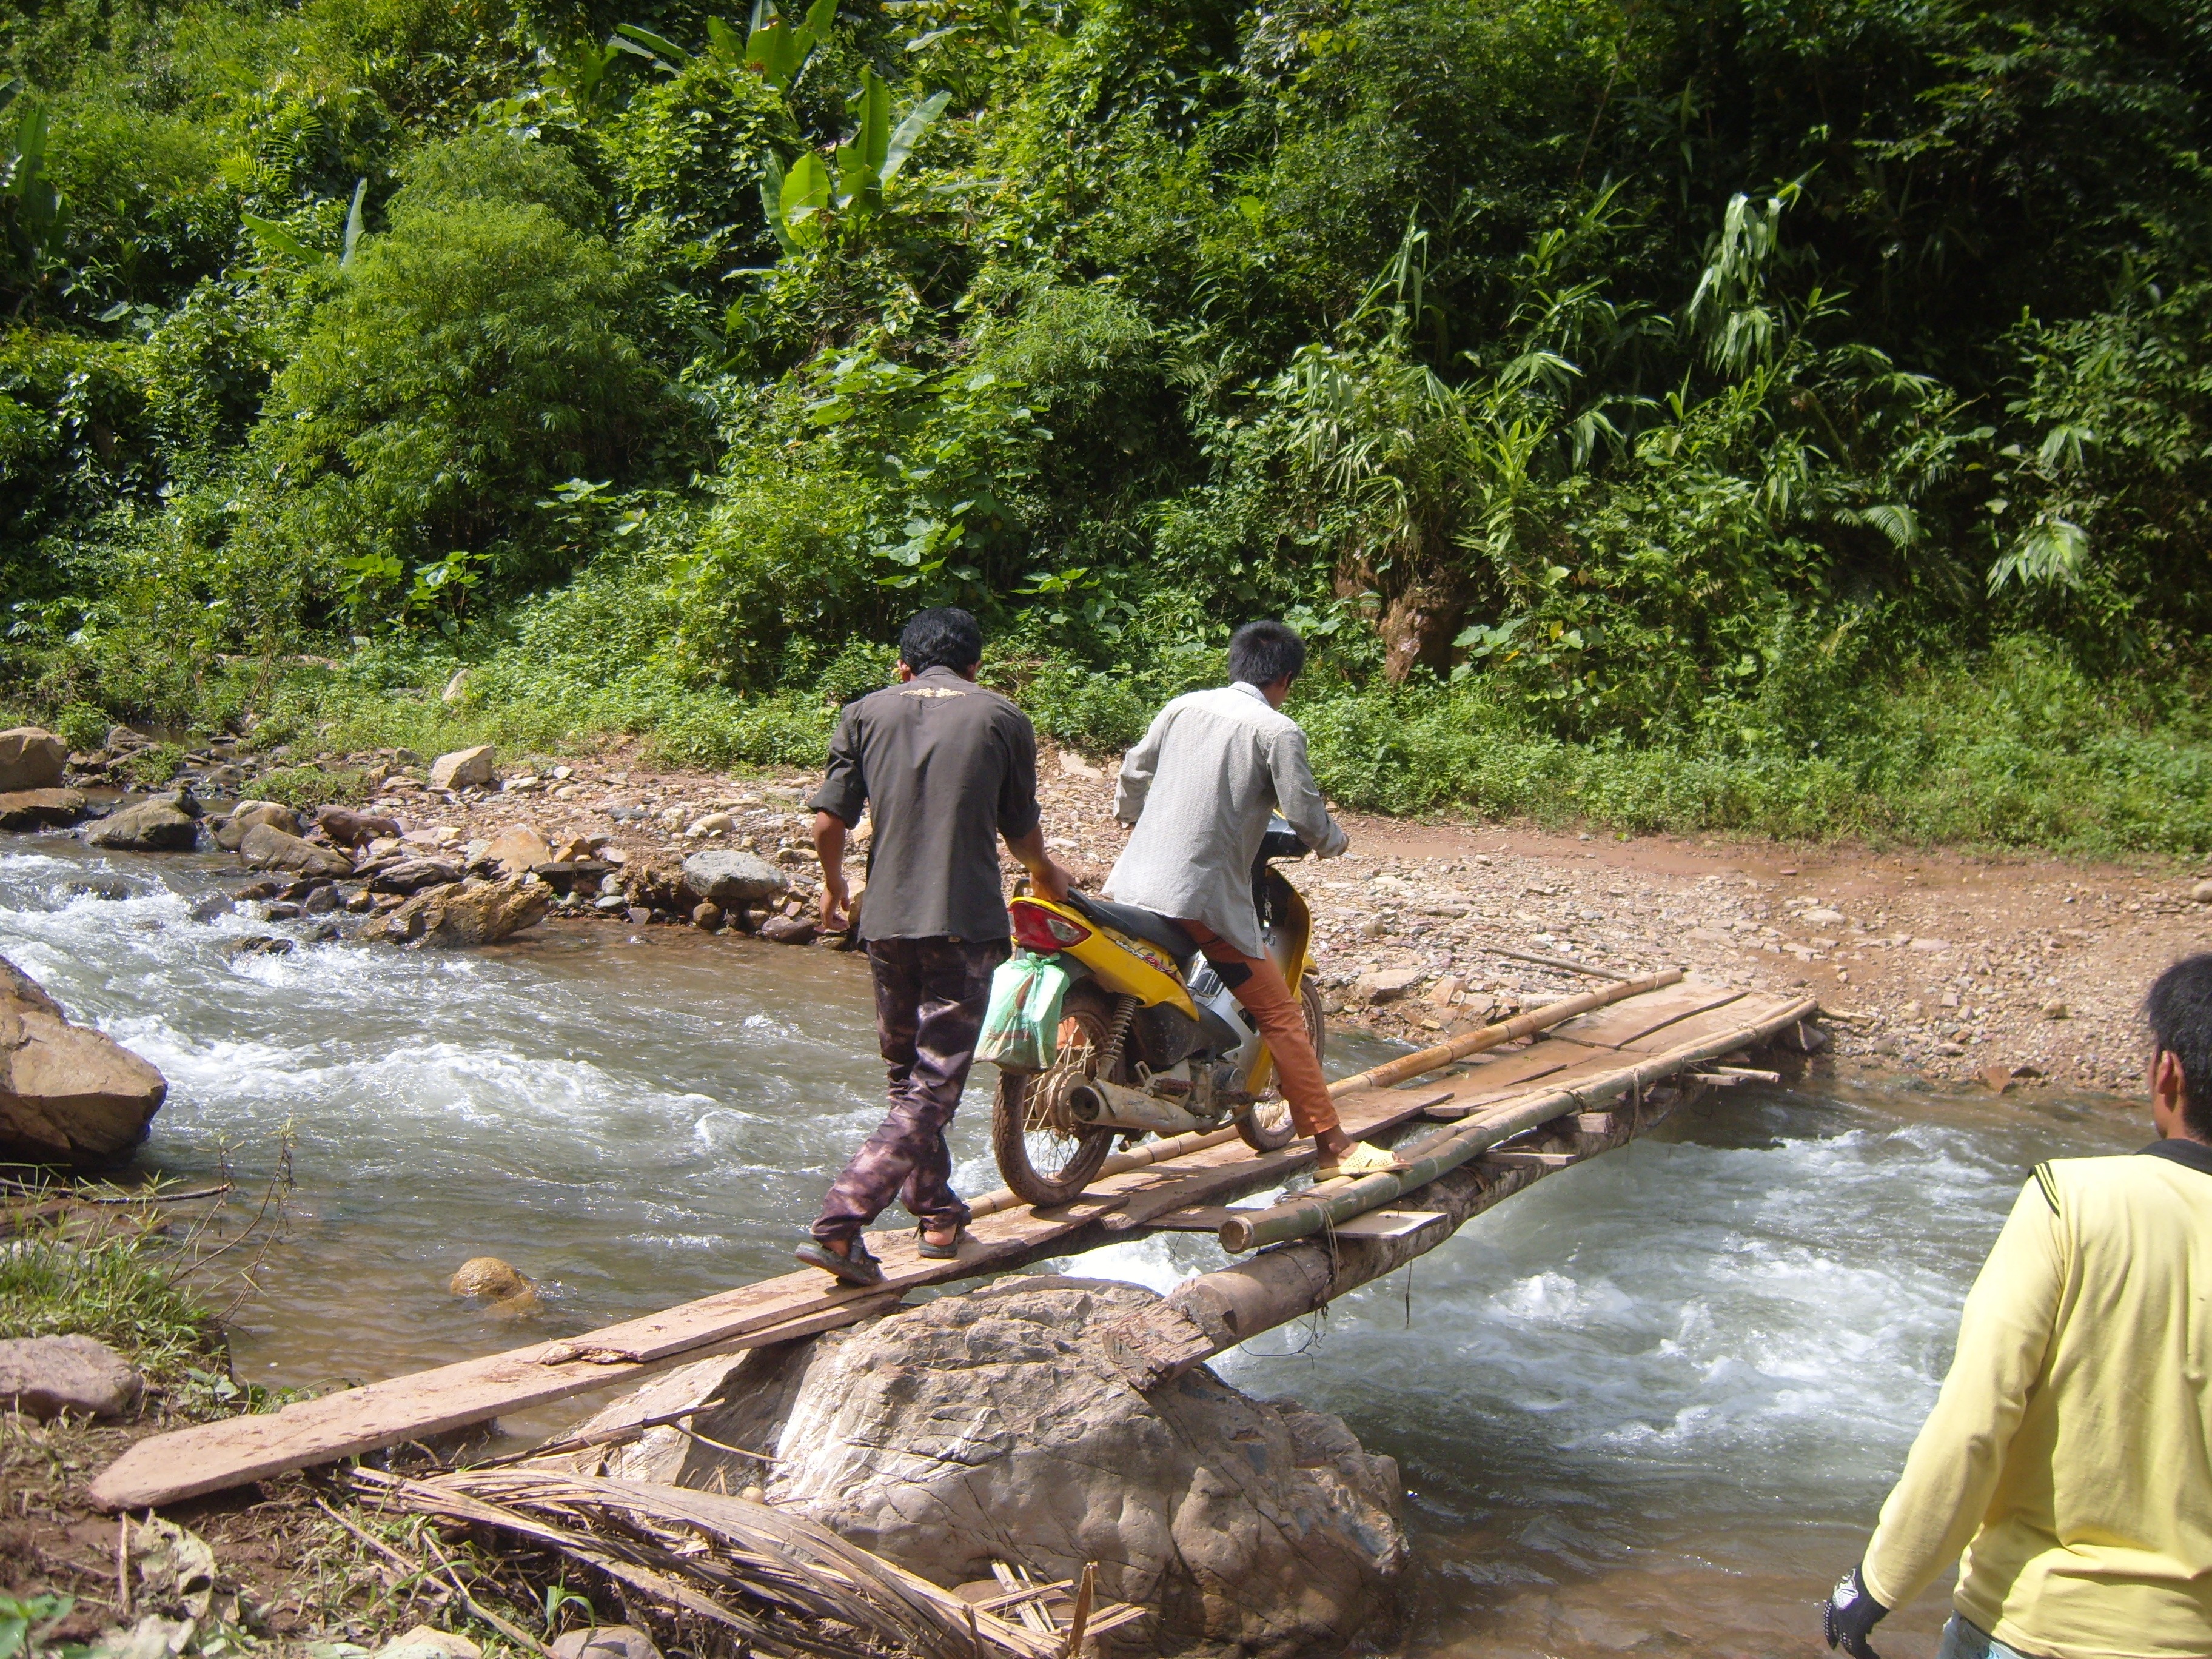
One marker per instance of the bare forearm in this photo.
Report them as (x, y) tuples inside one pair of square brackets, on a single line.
[(830, 847), (1050, 879)]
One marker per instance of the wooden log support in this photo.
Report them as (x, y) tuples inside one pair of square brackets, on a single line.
[(1207, 1315)]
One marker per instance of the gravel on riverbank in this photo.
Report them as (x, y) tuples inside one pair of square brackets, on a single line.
[(1962, 966)]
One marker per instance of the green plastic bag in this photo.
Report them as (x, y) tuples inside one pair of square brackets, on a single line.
[(1021, 1028)]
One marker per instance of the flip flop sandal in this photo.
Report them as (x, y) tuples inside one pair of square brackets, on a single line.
[(858, 1269), (1358, 1159), (951, 1252)]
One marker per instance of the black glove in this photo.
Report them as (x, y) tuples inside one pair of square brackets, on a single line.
[(1850, 1615)]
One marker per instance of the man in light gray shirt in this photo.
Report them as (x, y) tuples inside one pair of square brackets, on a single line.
[(1200, 788)]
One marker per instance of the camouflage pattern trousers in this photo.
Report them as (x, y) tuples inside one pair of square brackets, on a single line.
[(931, 994)]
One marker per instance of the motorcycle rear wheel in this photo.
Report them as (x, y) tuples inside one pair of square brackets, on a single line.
[(1267, 1126), (1045, 1157)]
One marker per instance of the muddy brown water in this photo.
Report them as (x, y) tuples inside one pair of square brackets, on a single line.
[(1649, 1406)]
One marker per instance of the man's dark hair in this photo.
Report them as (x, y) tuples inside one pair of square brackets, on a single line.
[(946, 637), (2179, 1008), (1261, 653)]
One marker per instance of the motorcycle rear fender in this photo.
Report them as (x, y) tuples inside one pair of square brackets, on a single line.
[(1125, 966)]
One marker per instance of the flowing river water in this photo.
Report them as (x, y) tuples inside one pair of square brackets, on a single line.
[(1649, 1406)]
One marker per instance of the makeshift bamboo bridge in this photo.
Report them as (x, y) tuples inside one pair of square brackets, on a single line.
[(1477, 1119)]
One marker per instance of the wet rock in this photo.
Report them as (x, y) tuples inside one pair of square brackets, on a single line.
[(267, 848), (347, 828), (68, 1094), (209, 906), (250, 815), (43, 1376), (182, 798), (264, 945), (464, 768), (320, 902), (709, 916), (659, 884), (579, 875), (254, 891), (504, 1292), (31, 758), (730, 878), (152, 826), (605, 1642), (789, 930), (990, 1425), (471, 914), (41, 809), (413, 875), (110, 889)]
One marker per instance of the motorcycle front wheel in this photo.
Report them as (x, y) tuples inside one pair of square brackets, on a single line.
[(1045, 1155), (1267, 1126)]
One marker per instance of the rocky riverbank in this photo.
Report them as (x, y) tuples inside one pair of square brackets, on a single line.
[(2010, 971)]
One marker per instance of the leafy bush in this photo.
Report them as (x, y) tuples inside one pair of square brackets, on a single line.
[(151, 767), (475, 359), (304, 788)]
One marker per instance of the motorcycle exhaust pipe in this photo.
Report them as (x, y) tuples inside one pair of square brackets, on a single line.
[(1099, 1105)]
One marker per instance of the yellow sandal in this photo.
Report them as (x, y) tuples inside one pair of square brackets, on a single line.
[(1358, 1159)]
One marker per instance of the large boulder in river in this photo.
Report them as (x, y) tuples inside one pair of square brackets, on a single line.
[(69, 1094), (734, 879), (41, 809), (31, 758), (267, 848), (991, 1426), (474, 913), (151, 826)]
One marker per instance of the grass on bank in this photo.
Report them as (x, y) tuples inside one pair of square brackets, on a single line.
[(2016, 749), (301, 1559)]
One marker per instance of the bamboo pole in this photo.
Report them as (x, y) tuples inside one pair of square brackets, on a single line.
[(1309, 1212), (1536, 1019), (1378, 1077)]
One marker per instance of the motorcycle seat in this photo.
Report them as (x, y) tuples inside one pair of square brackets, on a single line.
[(1145, 925)]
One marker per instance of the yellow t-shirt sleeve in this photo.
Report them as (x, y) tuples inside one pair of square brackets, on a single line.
[(1951, 1473)]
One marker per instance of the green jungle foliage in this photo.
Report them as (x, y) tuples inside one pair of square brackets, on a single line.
[(1711, 413)]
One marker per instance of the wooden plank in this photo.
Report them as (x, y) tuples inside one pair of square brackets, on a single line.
[(1517, 1161), (1627, 1024), (210, 1457)]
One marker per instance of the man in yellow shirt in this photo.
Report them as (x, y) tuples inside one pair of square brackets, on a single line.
[(2069, 1454)]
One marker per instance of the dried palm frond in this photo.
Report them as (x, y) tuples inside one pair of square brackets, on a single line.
[(783, 1583)]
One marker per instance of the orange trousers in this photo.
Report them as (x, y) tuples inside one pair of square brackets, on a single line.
[(1258, 985)]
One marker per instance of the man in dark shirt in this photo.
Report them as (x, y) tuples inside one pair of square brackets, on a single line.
[(947, 768)]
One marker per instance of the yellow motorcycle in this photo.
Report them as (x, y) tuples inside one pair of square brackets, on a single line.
[(1150, 1041)]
